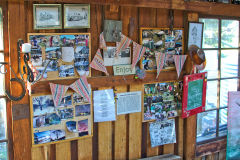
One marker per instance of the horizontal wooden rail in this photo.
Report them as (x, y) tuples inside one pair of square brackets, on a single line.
[(209, 8)]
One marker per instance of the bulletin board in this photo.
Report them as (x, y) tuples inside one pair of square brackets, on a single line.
[(72, 119), (194, 94), (161, 40), (66, 55)]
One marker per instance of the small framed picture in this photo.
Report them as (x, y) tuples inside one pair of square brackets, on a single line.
[(195, 34), (76, 16), (47, 16)]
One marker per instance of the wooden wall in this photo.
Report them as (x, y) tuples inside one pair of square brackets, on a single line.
[(127, 137)]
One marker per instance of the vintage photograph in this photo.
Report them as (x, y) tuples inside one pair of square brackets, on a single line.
[(53, 52), (46, 41), (78, 99), (83, 127), (47, 16), (36, 57), (66, 71), (71, 126), (160, 101), (38, 121), (161, 40), (66, 101), (82, 110), (195, 34), (81, 62), (65, 113), (76, 16), (112, 30), (42, 105), (111, 59)]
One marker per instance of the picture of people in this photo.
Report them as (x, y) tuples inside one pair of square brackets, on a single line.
[(42, 105), (81, 62), (66, 113), (38, 121), (71, 126), (48, 136), (46, 120), (36, 57), (161, 101), (164, 41), (77, 99), (83, 127), (111, 59), (82, 110), (66, 101), (53, 52)]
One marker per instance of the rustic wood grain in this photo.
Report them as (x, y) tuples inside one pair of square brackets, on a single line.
[(151, 151), (84, 149), (63, 151), (222, 155)]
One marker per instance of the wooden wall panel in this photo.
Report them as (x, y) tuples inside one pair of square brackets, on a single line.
[(84, 149), (63, 151)]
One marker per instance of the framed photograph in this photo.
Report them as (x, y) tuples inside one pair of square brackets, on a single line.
[(161, 40), (194, 94), (66, 122), (76, 16), (112, 30), (195, 34), (47, 16), (161, 101)]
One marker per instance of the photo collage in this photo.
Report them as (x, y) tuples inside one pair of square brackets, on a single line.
[(161, 101), (71, 119), (61, 55), (163, 41)]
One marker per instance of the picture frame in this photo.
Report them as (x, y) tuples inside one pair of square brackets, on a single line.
[(195, 33), (47, 16), (76, 16), (194, 94), (66, 122), (72, 52), (161, 101), (161, 40)]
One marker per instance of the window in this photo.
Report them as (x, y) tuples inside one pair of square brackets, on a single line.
[(3, 123), (221, 46)]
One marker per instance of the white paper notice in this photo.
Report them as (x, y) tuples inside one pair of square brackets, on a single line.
[(67, 54), (104, 105), (128, 102)]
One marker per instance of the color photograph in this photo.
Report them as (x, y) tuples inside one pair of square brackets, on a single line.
[(66, 71), (82, 110), (42, 105), (66, 101), (66, 113), (83, 127), (71, 126)]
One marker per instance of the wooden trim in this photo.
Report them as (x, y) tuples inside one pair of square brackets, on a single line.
[(210, 148)]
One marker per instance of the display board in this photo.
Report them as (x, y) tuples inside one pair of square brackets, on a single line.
[(70, 120), (60, 56), (161, 40), (194, 94), (161, 101)]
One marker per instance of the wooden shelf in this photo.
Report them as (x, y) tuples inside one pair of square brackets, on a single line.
[(209, 8)]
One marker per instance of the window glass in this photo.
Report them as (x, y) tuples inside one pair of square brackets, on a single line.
[(223, 122), (206, 128), (3, 151), (1, 30), (225, 86), (211, 97), (230, 34), (212, 64), (210, 33), (2, 119), (229, 63)]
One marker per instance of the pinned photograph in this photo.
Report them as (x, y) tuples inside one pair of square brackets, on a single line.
[(111, 59), (53, 52), (42, 105), (57, 135), (82, 110), (52, 66), (83, 127), (66, 71), (47, 16), (81, 62), (71, 126), (36, 57), (66, 113), (76, 16), (77, 99), (52, 119), (112, 30), (66, 101), (42, 137), (38, 121)]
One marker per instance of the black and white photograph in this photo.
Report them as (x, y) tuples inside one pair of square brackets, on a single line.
[(53, 52), (36, 57), (81, 62), (77, 99), (71, 126), (42, 105), (76, 16), (38, 121), (111, 59), (66, 71), (195, 34), (82, 110), (112, 30), (47, 16), (66, 101), (66, 113)]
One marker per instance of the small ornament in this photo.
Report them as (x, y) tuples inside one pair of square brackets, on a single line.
[(140, 73)]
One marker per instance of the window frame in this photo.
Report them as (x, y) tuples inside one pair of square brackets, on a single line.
[(218, 139)]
